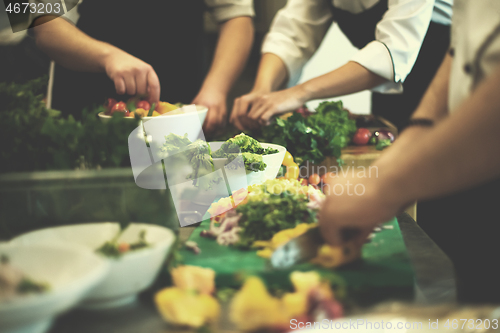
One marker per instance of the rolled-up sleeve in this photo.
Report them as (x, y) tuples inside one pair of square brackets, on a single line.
[(58, 8), (398, 39), (223, 10), (296, 33)]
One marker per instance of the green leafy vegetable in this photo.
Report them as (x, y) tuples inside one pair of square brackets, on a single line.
[(382, 144), (112, 248), (35, 138), (323, 133)]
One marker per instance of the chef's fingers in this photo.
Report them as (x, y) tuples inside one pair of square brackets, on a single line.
[(154, 88), (211, 121), (119, 85), (258, 108), (265, 118), (239, 111), (330, 231), (130, 84), (141, 80)]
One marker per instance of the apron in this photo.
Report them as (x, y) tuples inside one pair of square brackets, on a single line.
[(166, 34), (360, 30)]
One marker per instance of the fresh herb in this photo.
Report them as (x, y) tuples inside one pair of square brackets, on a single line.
[(261, 219), (323, 133), (36, 138), (114, 249), (28, 286), (151, 109), (382, 144)]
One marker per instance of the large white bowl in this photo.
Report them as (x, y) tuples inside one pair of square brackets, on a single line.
[(238, 180), (70, 271), (176, 114), (129, 274)]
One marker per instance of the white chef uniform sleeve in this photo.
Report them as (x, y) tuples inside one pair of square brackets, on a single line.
[(223, 10), (296, 33), (398, 38)]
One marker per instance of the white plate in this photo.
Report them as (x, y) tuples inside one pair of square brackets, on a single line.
[(129, 274), (71, 273)]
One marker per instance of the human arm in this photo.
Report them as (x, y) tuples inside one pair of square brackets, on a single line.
[(233, 47), (382, 65), (72, 48), (456, 154)]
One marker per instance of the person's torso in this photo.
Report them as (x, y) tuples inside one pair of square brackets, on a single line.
[(475, 44)]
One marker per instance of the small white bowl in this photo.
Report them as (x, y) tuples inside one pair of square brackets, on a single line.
[(69, 270), (175, 114), (129, 274), (235, 177)]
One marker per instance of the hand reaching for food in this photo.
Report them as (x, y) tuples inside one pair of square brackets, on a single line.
[(217, 110), (132, 75)]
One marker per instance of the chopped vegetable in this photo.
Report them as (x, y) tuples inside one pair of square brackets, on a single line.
[(382, 144), (314, 179), (114, 249), (323, 133), (382, 134)]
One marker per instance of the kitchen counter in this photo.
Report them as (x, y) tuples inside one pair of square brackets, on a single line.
[(434, 283)]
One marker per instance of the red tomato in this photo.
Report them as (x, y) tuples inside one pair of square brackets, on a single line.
[(362, 136), (123, 247), (303, 181), (119, 107), (109, 104), (314, 179), (143, 105)]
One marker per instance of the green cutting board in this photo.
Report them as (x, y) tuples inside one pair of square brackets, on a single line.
[(384, 272)]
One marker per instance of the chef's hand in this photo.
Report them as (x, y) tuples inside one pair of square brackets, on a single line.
[(217, 110), (239, 114), (267, 105), (355, 203), (132, 75)]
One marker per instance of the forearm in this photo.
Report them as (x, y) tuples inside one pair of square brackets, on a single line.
[(459, 152), (348, 79), (271, 75), (434, 104), (69, 46), (233, 47)]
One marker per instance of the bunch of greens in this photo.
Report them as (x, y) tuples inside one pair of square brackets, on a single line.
[(323, 133), (36, 138), (273, 206), (250, 149), (198, 154)]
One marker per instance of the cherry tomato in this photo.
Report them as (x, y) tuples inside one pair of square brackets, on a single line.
[(119, 107), (327, 176), (143, 105), (362, 136), (109, 104), (304, 181), (314, 179), (288, 159), (292, 171), (123, 247)]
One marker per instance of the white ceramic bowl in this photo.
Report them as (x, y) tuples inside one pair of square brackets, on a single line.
[(176, 114), (129, 274), (71, 273), (236, 178)]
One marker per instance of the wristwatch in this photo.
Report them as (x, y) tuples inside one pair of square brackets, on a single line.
[(422, 122)]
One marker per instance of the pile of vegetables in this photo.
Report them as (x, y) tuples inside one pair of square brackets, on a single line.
[(138, 106), (250, 149), (266, 209), (381, 138), (313, 136), (199, 155), (36, 138)]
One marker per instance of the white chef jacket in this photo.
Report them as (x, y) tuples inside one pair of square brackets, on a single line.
[(475, 45), (298, 29), (221, 10)]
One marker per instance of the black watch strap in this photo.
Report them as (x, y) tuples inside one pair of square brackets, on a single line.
[(422, 122)]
